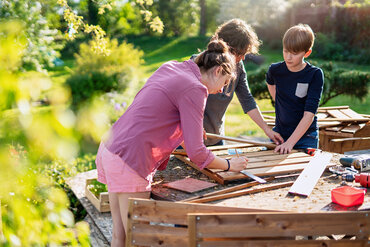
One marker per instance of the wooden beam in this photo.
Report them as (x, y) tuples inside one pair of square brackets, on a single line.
[(227, 190), (311, 174), (234, 139), (242, 192), (205, 171)]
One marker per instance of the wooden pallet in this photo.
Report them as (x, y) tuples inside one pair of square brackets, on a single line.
[(269, 229), (342, 123), (160, 223), (263, 163), (101, 203)]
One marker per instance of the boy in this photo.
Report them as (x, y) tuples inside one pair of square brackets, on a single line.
[(241, 39), (296, 87)]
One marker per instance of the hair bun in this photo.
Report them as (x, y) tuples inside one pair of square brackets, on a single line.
[(217, 45)]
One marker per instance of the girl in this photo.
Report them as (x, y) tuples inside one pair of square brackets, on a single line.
[(167, 111)]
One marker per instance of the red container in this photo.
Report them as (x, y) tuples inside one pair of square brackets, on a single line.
[(348, 196)]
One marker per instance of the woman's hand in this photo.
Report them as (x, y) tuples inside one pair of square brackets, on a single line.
[(238, 164)]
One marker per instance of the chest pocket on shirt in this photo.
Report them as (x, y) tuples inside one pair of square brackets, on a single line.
[(301, 90)]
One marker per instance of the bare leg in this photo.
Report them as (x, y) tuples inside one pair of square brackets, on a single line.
[(119, 212), (118, 236)]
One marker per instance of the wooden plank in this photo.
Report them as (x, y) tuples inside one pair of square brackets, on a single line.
[(350, 144), (253, 165), (159, 235), (242, 192), (332, 134), (268, 157), (321, 115), (265, 171), (364, 131), (144, 210), (344, 118), (205, 171), (333, 107), (269, 145), (282, 224), (189, 185), (283, 243), (337, 114), (353, 128), (227, 190), (217, 148), (311, 174)]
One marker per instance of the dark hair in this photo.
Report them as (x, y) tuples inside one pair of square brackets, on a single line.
[(299, 38), (217, 54), (239, 36)]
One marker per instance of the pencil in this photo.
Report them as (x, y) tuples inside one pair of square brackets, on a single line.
[(237, 154)]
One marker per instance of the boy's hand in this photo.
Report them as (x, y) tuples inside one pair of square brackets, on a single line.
[(284, 148), (274, 136)]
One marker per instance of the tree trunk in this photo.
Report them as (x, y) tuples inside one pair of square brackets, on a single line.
[(203, 18)]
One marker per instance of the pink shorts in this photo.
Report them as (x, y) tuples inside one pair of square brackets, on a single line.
[(119, 176)]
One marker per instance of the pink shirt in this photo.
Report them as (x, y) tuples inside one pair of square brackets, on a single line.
[(166, 111)]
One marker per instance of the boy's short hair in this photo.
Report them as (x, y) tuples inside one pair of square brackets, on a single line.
[(298, 38), (239, 36)]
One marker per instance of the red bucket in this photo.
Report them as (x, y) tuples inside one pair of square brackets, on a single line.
[(348, 196)]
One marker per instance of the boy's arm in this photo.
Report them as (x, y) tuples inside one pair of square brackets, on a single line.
[(302, 127), (272, 90), (256, 116)]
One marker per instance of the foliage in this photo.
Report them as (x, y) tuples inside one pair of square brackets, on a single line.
[(99, 42), (98, 73), (337, 81), (96, 187), (122, 20), (181, 17), (41, 48), (33, 211)]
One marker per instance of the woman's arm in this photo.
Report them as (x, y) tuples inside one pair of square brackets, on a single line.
[(237, 164)]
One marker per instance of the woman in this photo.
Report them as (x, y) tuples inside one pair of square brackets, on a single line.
[(167, 111)]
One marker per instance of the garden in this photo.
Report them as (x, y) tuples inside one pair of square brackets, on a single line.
[(70, 69)]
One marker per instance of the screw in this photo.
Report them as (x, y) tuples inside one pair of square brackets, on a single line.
[(198, 218), (135, 202), (133, 241)]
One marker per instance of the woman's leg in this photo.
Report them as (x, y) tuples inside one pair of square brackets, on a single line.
[(118, 236), (119, 214)]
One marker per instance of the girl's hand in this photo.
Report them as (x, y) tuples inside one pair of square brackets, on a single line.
[(238, 164)]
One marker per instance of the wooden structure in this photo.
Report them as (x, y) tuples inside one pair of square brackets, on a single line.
[(101, 203), (269, 229), (160, 223), (263, 163), (341, 129)]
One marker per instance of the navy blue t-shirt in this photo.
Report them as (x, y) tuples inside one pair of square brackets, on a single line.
[(296, 92)]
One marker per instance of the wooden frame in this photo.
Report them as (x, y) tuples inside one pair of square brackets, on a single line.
[(270, 229), (262, 163), (101, 203), (161, 223)]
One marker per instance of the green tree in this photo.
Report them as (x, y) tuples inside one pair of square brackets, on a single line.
[(181, 16), (41, 48), (33, 211)]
